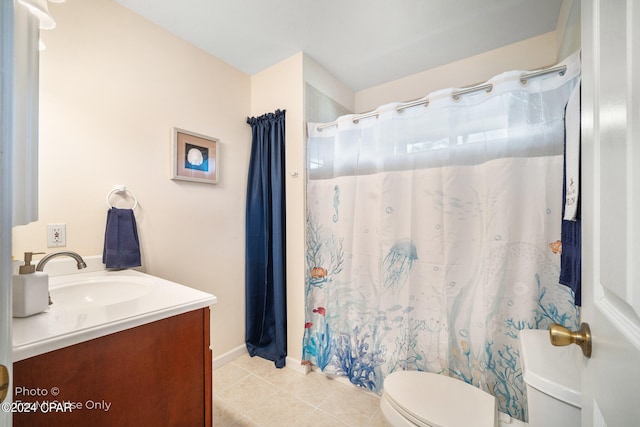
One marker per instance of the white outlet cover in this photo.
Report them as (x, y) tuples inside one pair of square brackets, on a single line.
[(56, 235)]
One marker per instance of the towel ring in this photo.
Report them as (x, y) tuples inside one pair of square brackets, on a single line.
[(122, 189)]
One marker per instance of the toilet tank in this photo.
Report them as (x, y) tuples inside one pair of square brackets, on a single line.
[(552, 378)]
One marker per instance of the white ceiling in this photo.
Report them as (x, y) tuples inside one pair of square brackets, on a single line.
[(361, 42)]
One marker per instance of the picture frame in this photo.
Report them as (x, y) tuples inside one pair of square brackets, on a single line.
[(195, 157)]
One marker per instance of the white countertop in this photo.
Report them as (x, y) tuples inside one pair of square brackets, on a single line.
[(133, 299)]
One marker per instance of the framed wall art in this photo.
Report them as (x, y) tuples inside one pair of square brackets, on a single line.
[(195, 157)]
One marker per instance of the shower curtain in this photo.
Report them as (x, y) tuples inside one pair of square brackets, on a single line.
[(432, 235)]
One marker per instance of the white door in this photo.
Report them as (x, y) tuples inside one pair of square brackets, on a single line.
[(6, 138), (611, 210)]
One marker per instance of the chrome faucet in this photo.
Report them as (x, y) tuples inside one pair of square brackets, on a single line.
[(47, 258)]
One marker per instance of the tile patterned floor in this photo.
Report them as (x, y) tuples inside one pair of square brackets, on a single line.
[(250, 391)]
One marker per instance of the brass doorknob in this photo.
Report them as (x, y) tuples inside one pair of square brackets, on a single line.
[(561, 336)]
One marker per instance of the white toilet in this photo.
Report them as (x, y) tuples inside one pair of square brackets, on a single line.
[(551, 375)]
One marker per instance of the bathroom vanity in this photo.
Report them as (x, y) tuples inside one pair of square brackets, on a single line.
[(99, 357)]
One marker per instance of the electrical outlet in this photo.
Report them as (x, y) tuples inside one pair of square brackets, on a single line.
[(56, 235)]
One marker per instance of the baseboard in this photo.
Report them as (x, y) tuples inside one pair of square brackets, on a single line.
[(297, 365), (229, 356)]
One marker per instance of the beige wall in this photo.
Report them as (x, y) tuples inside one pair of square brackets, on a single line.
[(324, 82), (282, 87), (568, 28), (530, 54), (112, 87)]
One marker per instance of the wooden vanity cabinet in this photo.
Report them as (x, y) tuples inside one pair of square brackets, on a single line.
[(158, 374)]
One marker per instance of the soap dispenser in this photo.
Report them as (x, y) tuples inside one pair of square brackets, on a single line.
[(30, 289)]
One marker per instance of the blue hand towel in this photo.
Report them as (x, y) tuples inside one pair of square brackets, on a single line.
[(121, 244), (571, 231)]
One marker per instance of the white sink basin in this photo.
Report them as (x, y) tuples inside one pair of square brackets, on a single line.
[(88, 305), (100, 292)]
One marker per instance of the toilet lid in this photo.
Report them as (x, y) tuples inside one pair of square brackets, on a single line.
[(434, 400)]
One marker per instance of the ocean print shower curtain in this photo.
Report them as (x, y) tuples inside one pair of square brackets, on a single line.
[(432, 236)]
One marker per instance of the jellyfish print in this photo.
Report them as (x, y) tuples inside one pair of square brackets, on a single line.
[(398, 263)]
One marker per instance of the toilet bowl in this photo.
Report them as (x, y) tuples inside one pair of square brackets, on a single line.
[(551, 376)]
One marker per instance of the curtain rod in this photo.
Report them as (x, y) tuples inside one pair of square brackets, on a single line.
[(456, 94)]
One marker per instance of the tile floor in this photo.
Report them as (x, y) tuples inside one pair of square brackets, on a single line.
[(250, 391)]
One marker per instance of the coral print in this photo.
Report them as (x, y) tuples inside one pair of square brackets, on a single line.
[(317, 251)]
